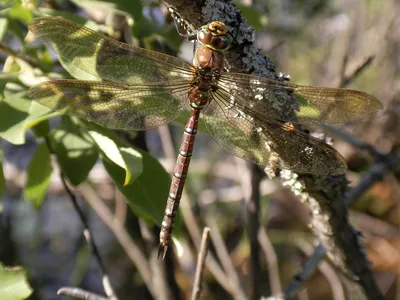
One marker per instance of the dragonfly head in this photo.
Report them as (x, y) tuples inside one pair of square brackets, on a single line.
[(215, 36)]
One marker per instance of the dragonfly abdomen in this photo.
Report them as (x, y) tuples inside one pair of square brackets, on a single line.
[(178, 180)]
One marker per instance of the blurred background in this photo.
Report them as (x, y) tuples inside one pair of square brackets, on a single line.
[(337, 43)]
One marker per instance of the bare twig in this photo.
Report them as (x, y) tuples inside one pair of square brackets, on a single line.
[(133, 251), (271, 259), (375, 173), (355, 142), (79, 294), (225, 259), (86, 231), (201, 261), (312, 264), (212, 264), (8, 51), (346, 80), (308, 269)]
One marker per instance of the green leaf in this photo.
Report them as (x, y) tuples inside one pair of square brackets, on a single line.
[(13, 283), (15, 28), (147, 195), (42, 129), (127, 158), (38, 176), (75, 151), (144, 28), (5, 78), (18, 114), (133, 7), (18, 12), (60, 13), (3, 27)]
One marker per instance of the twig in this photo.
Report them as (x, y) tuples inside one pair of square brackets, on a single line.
[(308, 269), (86, 231), (355, 142), (10, 52), (271, 259), (212, 264), (375, 173), (385, 163), (79, 294), (133, 252), (224, 257), (201, 261), (346, 80)]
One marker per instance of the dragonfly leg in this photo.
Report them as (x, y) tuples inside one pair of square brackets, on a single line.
[(162, 251)]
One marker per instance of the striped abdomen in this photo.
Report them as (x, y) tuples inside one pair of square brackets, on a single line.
[(198, 99)]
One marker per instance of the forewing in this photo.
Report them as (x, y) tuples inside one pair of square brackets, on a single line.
[(107, 58), (269, 143), (315, 105), (117, 106)]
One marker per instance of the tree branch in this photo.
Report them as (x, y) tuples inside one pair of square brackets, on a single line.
[(201, 262)]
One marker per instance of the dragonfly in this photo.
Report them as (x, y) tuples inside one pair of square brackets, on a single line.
[(143, 89)]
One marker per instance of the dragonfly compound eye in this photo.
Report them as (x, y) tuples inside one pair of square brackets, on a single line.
[(220, 43), (204, 36)]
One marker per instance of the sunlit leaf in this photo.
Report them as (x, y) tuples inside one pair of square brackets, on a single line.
[(13, 283), (127, 158), (75, 152), (3, 27), (21, 13), (18, 114), (5, 78), (38, 176)]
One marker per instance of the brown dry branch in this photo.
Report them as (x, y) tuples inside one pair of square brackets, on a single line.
[(201, 262), (131, 249), (78, 293), (272, 260)]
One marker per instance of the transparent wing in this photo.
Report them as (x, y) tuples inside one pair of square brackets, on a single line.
[(107, 58), (114, 105), (315, 105), (268, 142)]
